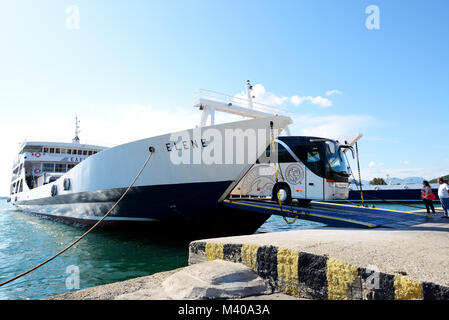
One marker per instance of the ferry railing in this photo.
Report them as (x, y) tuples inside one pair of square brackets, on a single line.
[(235, 100), (66, 140)]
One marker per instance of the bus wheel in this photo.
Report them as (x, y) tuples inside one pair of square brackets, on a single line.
[(281, 191)]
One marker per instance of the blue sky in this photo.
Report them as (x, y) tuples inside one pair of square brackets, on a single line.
[(130, 69)]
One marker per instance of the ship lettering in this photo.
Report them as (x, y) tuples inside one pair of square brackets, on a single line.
[(186, 145)]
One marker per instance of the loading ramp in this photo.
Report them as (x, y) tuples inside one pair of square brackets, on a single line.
[(332, 214)]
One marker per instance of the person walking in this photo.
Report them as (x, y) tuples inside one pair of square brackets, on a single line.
[(443, 194), (427, 196)]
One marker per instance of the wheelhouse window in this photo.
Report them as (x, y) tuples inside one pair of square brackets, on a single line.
[(45, 150), (90, 153), (69, 151), (52, 150), (60, 167), (80, 152), (57, 150), (48, 167), (84, 152)]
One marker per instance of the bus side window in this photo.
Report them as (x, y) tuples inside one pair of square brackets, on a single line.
[(313, 156), (283, 155), (314, 162)]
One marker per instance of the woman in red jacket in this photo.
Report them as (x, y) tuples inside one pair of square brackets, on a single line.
[(427, 196)]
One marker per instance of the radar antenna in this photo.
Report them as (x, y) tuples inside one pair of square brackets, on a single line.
[(77, 131)]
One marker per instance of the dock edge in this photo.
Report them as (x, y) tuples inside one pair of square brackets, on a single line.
[(317, 277)]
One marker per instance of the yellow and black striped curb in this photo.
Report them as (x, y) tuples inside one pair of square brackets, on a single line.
[(314, 276)]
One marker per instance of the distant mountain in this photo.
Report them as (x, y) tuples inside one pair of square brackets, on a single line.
[(394, 181), (409, 180), (446, 177), (356, 182)]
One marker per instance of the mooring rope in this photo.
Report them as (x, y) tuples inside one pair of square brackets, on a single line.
[(152, 150)]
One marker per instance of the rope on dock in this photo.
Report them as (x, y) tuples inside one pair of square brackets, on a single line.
[(152, 150)]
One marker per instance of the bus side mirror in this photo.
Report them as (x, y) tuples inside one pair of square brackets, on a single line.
[(352, 152), (350, 148)]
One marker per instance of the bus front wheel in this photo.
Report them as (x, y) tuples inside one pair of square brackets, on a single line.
[(282, 193)]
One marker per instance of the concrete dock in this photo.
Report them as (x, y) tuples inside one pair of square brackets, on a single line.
[(332, 263), (406, 263)]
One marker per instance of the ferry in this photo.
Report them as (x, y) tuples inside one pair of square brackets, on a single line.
[(393, 193), (79, 183)]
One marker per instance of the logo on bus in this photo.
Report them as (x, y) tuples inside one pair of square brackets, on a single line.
[(294, 174)]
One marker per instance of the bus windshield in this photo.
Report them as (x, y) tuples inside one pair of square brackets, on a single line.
[(336, 160)]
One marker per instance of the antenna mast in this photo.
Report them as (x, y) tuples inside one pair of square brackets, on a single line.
[(77, 131), (249, 90)]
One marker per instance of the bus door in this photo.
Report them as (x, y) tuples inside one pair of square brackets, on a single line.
[(314, 183)]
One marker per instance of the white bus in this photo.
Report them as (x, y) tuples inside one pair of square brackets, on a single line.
[(308, 168)]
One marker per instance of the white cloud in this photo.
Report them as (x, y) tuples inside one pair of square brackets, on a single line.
[(404, 162), (332, 126), (323, 102), (331, 92), (428, 172), (262, 96), (373, 164)]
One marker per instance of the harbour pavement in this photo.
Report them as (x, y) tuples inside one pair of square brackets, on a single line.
[(410, 263), (330, 263)]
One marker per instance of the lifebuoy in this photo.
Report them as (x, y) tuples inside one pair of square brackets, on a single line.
[(37, 154), (37, 170)]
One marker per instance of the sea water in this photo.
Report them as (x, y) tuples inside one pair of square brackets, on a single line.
[(100, 258)]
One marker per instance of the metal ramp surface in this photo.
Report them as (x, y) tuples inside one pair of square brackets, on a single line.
[(332, 214)]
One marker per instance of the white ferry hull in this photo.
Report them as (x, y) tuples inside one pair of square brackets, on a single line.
[(165, 192)]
